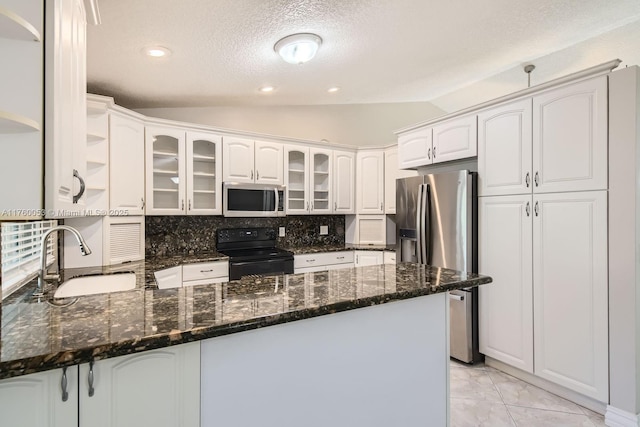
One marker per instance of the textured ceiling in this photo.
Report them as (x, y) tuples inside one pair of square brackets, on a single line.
[(375, 50)]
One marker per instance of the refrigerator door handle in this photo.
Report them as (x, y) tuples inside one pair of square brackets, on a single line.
[(419, 238), (424, 223), (428, 249)]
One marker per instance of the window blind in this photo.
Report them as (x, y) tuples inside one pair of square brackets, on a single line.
[(21, 251)]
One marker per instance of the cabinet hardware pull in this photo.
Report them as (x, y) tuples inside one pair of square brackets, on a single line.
[(335, 206), (434, 153), (257, 175), (527, 180), (311, 260), (528, 209), (456, 297), (91, 389), (536, 178), (182, 208), (311, 205), (206, 271), (381, 206), (307, 206), (339, 257), (252, 175), (82, 187), (189, 204), (142, 200), (63, 385), (536, 208), (429, 153)]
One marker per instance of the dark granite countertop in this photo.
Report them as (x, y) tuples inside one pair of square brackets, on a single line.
[(347, 247), (38, 336)]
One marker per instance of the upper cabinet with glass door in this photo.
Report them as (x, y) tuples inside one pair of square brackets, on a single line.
[(320, 184), (296, 179), (183, 172)]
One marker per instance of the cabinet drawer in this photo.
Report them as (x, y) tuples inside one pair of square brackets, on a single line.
[(169, 277), (205, 270), (324, 258)]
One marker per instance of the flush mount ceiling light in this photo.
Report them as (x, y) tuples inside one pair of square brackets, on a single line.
[(333, 89), (298, 48), (156, 51), (266, 89)]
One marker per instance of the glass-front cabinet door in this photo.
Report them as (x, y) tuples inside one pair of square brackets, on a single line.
[(204, 177), (320, 180), (165, 183), (297, 179)]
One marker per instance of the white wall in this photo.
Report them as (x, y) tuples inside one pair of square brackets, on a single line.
[(353, 124)]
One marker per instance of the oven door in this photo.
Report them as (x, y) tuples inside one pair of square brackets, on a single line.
[(253, 200), (263, 267)]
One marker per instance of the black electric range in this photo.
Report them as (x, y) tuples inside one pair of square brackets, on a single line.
[(252, 251)]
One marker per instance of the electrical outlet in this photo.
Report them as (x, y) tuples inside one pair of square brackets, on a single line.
[(281, 232), (324, 230)]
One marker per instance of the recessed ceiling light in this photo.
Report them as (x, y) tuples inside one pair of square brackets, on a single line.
[(266, 89), (156, 51), (298, 48), (333, 89)]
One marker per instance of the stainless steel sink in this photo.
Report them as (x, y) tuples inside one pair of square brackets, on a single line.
[(96, 284)]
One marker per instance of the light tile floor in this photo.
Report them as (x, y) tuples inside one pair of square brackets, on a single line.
[(484, 396)]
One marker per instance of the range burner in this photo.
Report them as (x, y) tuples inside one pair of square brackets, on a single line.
[(252, 251)]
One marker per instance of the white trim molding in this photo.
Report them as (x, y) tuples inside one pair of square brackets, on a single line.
[(615, 417)]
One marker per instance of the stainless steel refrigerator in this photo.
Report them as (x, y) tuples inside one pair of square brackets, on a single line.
[(436, 224)]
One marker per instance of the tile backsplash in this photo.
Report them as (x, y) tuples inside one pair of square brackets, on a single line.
[(175, 235)]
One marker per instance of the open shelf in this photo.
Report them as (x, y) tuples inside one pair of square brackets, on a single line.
[(296, 170), (321, 173), (205, 191), (13, 26), (165, 190), (15, 123), (204, 174), (202, 158), (165, 172), (160, 154)]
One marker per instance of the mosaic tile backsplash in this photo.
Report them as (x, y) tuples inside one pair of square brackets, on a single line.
[(175, 235)]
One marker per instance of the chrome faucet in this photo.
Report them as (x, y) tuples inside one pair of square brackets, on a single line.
[(84, 249)]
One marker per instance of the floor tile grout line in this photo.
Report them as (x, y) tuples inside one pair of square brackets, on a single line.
[(506, 407), (545, 409)]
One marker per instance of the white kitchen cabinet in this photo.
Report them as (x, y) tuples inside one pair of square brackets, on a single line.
[(204, 187), (570, 292), (305, 263), (505, 253), (344, 187), (165, 170), (366, 229), (296, 179), (391, 173), (169, 277), (153, 388), (183, 172), (203, 273), (97, 158), (389, 257), (547, 311), (65, 108), (21, 105), (364, 258), (36, 400), (245, 160), (320, 180), (455, 139), (370, 182), (505, 150), (414, 148), (126, 158), (570, 137)]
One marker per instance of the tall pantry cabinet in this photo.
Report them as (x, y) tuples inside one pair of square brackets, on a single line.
[(542, 164)]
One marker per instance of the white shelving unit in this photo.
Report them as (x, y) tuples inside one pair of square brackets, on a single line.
[(97, 180), (21, 106)]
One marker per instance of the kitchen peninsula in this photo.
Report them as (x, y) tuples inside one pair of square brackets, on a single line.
[(356, 346)]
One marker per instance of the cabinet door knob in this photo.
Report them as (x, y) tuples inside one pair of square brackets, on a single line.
[(527, 179), (90, 378), (76, 174), (63, 385)]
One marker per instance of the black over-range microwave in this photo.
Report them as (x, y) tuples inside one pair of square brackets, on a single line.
[(253, 200)]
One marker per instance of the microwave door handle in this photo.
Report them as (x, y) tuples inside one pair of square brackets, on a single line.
[(275, 190)]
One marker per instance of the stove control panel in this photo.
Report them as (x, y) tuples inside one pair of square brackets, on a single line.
[(235, 235)]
